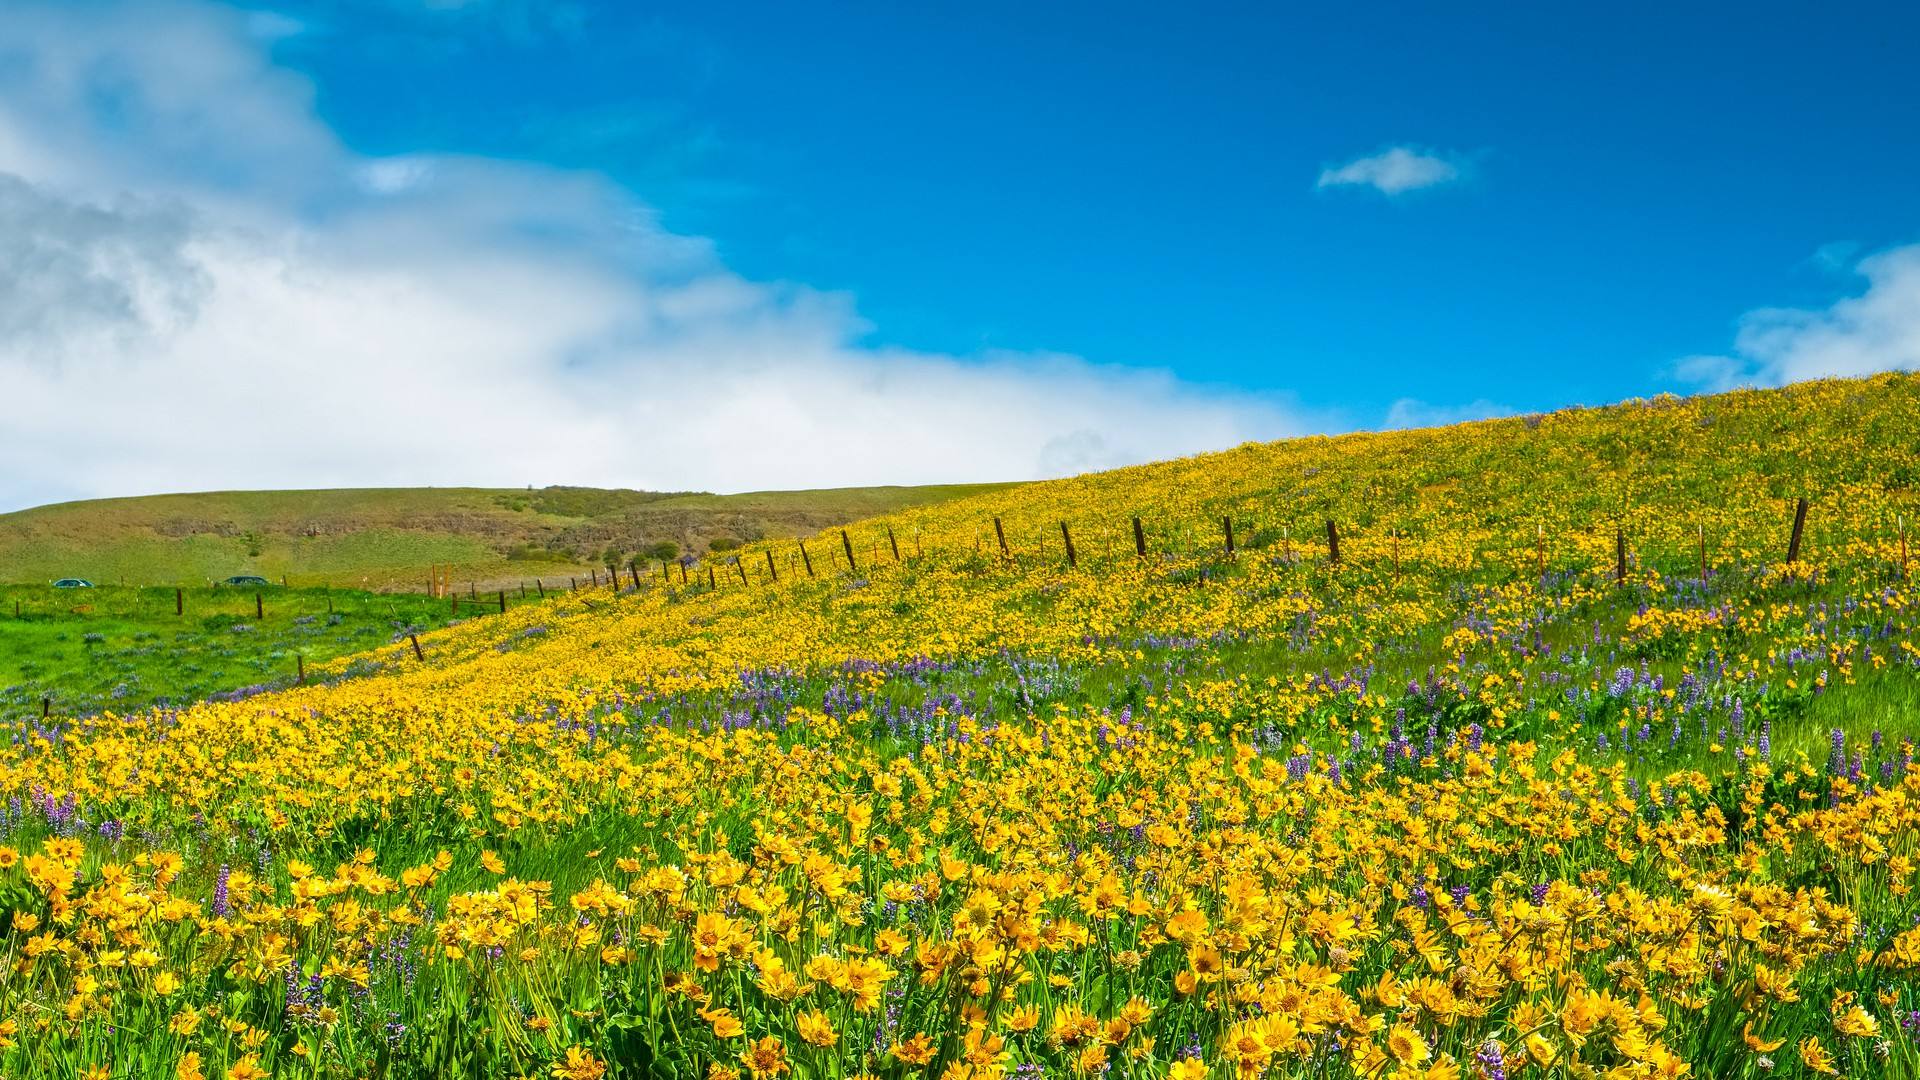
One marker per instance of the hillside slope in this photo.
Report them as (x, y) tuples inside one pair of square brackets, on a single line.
[(389, 537), (1562, 761)]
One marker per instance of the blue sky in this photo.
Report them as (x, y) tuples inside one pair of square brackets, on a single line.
[(897, 243), (1135, 183)]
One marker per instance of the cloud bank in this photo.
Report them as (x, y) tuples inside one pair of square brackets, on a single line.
[(1395, 171), (1878, 330), (201, 287)]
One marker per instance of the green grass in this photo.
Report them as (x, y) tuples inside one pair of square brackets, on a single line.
[(83, 651), (386, 538)]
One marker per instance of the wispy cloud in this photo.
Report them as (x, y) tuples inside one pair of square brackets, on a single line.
[(1877, 330), (1395, 171), (1414, 413), (236, 300)]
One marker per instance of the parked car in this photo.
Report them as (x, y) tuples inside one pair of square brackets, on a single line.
[(73, 583), (246, 579)]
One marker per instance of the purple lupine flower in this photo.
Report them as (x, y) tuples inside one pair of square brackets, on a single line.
[(221, 908), (1491, 1061)]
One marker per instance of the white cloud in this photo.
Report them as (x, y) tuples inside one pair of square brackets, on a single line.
[(1878, 330), (200, 287), (1414, 413), (1394, 171)]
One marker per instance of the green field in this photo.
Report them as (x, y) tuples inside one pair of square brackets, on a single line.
[(82, 651), (385, 539)]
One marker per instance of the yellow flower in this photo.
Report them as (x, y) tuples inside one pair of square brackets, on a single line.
[(1406, 1045), (247, 1068), (1189, 1069), (766, 1058), (816, 1028), (1815, 1057), (579, 1064)]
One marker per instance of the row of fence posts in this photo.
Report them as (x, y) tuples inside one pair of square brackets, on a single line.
[(439, 580), (1230, 547)]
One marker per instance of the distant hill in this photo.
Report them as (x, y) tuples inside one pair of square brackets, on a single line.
[(386, 538)]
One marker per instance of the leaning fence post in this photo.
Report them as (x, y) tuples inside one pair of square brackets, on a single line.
[(1620, 555), (847, 542), (894, 544), (1001, 533), (742, 567), (1333, 543), (539, 588), (1799, 523), (772, 570), (259, 612), (712, 581), (417, 654), (1139, 539), (806, 558), (503, 601), (1068, 538), (1226, 523)]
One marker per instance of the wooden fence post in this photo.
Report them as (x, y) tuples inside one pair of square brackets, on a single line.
[(1333, 543), (1000, 532), (1799, 523), (742, 567), (1903, 545), (503, 601), (179, 602), (772, 570), (259, 610), (300, 669), (683, 573), (1396, 555), (847, 542), (1139, 539), (894, 544), (540, 588), (417, 654), (806, 558), (1067, 537), (1226, 525), (1620, 555), (634, 569), (1703, 550)]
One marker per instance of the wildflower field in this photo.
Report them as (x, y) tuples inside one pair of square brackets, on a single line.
[(1560, 769)]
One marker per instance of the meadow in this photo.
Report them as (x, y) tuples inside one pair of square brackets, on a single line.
[(1519, 748), (388, 539), (80, 652)]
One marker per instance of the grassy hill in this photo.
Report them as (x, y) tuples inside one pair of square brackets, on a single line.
[(1521, 747), (386, 538)]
